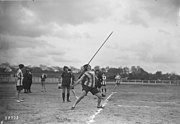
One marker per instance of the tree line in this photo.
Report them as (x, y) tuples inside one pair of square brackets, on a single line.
[(132, 73)]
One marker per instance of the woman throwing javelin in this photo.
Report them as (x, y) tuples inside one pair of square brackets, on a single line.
[(88, 79)]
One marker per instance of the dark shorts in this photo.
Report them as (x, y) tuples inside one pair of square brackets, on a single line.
[(118, 83), (42, 79), (19, 88), (42, 82), (65, 86), (103, 83), (98, 85), (93, 90)]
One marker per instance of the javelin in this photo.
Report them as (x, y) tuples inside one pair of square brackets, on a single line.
[(100, 48)]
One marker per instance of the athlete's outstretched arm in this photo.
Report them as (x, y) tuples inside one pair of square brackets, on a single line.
[(78, 81)]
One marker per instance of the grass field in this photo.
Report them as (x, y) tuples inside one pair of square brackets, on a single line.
[(129, 104)]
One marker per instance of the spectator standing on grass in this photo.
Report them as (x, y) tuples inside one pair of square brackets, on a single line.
[(25, 81), (103, 85), (88, 79), (43, 79), (66, 82), (118, 79), (29, 81), (19, 83)]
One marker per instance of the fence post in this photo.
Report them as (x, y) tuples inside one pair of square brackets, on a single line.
[(170, 82)]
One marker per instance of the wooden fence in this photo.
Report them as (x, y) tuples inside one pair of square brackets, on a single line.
[(55, 80), (34, 80)]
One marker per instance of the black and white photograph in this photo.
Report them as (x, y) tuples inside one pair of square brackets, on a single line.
[(90, 61)]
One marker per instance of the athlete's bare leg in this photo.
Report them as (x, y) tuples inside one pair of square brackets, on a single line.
[(43, 86), (74, 93), (99, 99), (68, 94), (17, 96), (116, 85), (79, 99)]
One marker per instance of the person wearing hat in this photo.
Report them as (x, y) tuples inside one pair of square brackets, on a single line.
[(66, 81), (25, 80), (88, 81), (19, 83), (29, 81)]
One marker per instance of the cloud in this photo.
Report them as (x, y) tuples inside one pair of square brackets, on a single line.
[(164, 10), (62, 59), (20, 21), (137, 18), (146, 13), (113, 46), (16, 49), (67, 31), (42, 18), (158, 52), (12, 42), (128, 12), (72, 12), (164, 32)]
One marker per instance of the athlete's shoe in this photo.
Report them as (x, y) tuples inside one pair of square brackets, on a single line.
[(100, 106), (21, 100), (68, 101), (103, 95), (18, 101), (72, 108)]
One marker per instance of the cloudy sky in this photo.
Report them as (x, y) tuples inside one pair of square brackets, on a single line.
[(146, 33)]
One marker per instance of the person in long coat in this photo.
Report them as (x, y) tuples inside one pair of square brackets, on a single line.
[(25, 81), (66, 82), (29, 82)]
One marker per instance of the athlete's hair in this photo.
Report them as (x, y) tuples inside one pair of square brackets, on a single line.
[(97, 71), (21, 66), (86, 67), (64, 68)]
